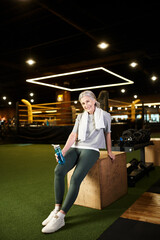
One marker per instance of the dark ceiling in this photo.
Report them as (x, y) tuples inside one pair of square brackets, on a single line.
[(62, 36)]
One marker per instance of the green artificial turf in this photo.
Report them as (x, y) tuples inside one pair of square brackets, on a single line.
[(27, 197)]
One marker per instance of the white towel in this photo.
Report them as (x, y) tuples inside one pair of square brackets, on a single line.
[(98, 119)]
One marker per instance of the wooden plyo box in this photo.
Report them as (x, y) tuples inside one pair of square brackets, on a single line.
[(105, 182), (152, 152)]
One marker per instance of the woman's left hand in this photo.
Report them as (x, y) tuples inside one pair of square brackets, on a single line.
[(111, 156)]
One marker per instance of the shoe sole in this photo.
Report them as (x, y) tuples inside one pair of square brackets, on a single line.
[(54, 230)]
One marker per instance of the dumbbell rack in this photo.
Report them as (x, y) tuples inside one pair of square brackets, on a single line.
[(139, 172)]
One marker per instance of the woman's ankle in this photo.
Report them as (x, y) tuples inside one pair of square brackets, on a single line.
[(57, 207)]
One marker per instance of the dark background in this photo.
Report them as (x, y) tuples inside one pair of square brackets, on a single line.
[(62, 36)]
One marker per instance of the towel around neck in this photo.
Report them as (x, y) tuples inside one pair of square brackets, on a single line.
[(98, 119)]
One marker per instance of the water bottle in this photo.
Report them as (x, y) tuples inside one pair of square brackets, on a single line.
[(58, 151)]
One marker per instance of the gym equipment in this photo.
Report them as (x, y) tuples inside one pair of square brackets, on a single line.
[(132, 137), (136, 170), (132, 140), (132, 165)]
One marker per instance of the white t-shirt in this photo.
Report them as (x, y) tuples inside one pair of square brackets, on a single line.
[(95, 139)]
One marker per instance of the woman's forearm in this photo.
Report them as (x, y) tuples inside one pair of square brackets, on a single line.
[(109, 142), (71, 139), (109, 146)]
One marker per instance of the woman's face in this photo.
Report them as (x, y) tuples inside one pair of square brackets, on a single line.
[(88, 104)]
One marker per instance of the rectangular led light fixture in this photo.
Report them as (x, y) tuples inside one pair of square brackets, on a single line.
[(38, 80)]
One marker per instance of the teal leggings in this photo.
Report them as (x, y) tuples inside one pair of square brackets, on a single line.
[(84, 159)]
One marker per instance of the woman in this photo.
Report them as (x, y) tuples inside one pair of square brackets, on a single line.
[(91, 132)]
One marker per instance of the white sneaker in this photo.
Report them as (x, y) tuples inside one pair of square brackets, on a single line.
[(51, 215), (54, 224)]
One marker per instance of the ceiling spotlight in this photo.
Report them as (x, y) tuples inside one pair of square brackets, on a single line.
[(4, 97), (133, 64), (31, 94), (32, 100), (9, 103), (30, 62), (123, 90), (135, 96), (103, 45), (154, 78)]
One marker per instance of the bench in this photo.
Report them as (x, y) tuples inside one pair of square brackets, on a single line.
[(105, 182)]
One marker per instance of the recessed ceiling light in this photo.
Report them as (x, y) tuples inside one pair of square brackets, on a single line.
[(123, 90), (133, 64), (103, 45), (154, 78), (30, 62)]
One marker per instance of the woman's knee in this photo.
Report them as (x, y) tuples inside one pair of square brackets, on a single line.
[(58, 171)]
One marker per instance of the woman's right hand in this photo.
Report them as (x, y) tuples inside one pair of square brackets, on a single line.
[(56, 157)]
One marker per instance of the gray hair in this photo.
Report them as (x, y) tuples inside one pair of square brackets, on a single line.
[(89, 94)]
